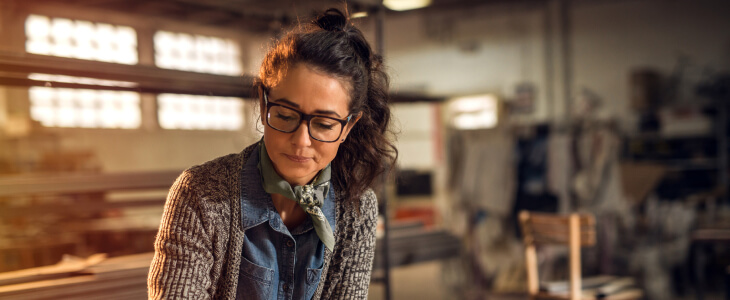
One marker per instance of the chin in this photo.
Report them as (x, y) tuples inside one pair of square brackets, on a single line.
[(293, 171)]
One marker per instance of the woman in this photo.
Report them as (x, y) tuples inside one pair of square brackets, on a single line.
[(291, 216)]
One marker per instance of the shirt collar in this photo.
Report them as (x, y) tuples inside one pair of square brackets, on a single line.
[(256, 205)]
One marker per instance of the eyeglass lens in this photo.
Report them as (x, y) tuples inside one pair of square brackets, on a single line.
[(287, 120)]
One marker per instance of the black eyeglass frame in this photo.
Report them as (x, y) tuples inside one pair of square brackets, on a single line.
[(305, 117)]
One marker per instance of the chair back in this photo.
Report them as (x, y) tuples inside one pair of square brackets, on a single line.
[(574, 230), (546, 228)]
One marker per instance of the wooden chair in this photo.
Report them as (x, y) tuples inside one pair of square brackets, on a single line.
[(574, 230)]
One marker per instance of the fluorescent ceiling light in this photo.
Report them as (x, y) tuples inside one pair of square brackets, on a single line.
[(361, 14), (401, 5)]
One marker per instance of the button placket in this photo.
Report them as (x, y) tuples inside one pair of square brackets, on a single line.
[(290, 258)]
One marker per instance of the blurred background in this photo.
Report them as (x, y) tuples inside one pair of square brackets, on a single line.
[(614, 109)]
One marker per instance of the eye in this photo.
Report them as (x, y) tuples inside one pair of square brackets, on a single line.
[(324, 124), (285, 116)]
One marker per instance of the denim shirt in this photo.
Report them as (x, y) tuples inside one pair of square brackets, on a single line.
[(277, 263)]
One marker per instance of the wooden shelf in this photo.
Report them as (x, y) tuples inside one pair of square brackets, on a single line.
[(147, 79), (85, 182)]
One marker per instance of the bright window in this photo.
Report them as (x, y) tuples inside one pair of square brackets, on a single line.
[(199, 112), (197, 53), (81, 39), (475, 112), (80, 108)]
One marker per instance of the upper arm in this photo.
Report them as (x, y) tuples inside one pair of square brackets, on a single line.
[(369, 212), (183, 252), (356, 272)]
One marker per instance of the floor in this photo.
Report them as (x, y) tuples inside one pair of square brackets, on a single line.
[(419, 281), (422, 282)]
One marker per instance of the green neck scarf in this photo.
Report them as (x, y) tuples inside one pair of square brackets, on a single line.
[(310, 197)]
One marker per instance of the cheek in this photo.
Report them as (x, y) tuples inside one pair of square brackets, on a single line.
[(327, 152), (274, 139)]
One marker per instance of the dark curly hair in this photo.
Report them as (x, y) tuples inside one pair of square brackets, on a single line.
[(333, 45)]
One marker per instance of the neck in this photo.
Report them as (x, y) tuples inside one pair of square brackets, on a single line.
[(295, 182), (290, 212)]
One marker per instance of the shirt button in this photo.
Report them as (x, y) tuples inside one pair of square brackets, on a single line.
[(289, 243), (286, 286)]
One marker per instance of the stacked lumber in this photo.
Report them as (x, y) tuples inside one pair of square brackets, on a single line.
[(44, 216), (123, 277)]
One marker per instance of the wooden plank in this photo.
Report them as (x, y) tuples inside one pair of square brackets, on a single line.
[(122, 264), (532, 271), (70, 288), (113, 278), (547, 219), (14, 80), (77, 207), (554, 229), (149, 79), (586, 238), (62, 269), (85, 182), (630, 294), (575, 267)]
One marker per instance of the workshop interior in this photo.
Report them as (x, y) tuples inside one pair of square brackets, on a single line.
[(573, 149)]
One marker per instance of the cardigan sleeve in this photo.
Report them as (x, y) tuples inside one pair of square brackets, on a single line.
[(355, 277), (183, 249)]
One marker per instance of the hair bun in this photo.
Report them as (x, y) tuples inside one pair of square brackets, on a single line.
[(332, 20)]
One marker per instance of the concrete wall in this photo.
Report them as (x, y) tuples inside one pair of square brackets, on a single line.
[(612, 39), (490, 49), (457, 55)]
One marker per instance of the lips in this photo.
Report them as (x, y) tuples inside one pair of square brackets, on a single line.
[(297, 159)]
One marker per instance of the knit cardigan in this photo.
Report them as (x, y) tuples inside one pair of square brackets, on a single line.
[(199, 243)]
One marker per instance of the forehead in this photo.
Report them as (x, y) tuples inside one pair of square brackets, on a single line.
[(311, 90)]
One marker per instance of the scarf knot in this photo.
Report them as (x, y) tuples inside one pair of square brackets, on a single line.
[(310, 197)]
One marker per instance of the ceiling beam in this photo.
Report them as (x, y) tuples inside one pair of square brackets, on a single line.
[(148, 79)]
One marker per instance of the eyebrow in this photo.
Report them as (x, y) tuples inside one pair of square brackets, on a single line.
[(319, 111)]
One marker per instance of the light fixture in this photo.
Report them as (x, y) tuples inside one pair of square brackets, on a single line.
[(474, 112), (401, 5), (361, 14)]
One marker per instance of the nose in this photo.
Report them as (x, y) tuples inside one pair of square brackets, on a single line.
[(300, 137)]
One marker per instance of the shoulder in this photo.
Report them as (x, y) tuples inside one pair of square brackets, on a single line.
[(217, 175), (362, 210), (369, 203), (369, 211)]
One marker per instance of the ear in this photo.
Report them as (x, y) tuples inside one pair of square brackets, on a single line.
[(349, 126), (262, 111), (262, 106)]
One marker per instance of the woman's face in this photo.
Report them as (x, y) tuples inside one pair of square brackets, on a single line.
[(296, 156)]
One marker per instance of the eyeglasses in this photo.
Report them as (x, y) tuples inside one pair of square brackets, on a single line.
[(287, 119)]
